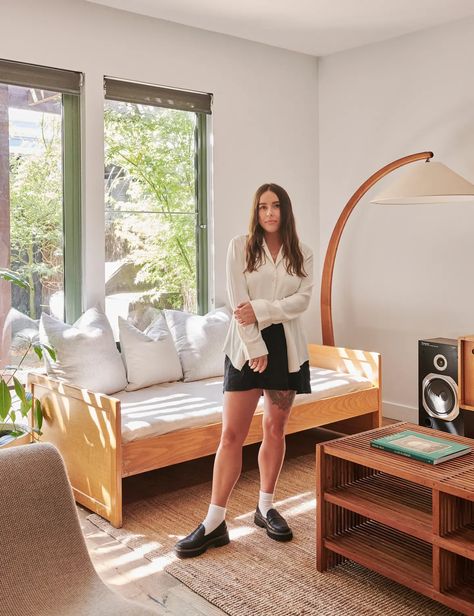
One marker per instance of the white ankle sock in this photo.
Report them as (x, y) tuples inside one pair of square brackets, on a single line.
[(215, 516), (265, 502)]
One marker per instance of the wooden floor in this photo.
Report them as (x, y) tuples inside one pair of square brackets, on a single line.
[(135, 577)]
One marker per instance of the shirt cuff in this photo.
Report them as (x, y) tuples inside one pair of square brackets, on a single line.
[(262, 314), (255, 349)]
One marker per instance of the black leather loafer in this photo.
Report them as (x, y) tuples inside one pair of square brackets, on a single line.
[(276, 525), (197, 542)]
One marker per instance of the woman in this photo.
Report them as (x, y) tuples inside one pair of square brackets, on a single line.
[(269, 283)]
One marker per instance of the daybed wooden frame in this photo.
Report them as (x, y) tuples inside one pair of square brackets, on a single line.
[(86, 428)]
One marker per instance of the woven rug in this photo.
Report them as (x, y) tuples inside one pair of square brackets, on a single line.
[(253, 575)]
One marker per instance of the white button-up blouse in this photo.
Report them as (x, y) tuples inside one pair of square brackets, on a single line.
[(276, 297)]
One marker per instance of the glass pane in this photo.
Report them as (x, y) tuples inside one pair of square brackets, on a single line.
[(31, 212), (150, 200)]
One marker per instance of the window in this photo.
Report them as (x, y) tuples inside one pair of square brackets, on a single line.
[(39, 198), (155, 200)]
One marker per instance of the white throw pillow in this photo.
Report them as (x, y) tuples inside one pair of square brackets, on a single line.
[(199, 341), (86, 353), (150, 356)]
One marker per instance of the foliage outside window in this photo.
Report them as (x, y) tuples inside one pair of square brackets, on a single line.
[(153, 209), (36, 204), (39, 136)]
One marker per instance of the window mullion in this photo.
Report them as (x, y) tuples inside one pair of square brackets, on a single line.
[(72, 207), (201, 226)]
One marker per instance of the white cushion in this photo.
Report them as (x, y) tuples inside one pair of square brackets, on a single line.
[(174, 406), (150, 357), (86, 353), (199, 341)]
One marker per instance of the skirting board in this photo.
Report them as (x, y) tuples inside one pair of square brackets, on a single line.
[(401, 412)]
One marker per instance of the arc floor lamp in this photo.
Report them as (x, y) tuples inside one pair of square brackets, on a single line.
[(431, 182)]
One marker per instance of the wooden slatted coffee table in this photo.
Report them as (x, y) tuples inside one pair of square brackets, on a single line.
[(408, 520)]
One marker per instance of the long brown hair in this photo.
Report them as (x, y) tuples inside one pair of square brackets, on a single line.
[(292, 254)]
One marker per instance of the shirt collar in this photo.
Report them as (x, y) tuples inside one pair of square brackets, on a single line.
[(269, 255)]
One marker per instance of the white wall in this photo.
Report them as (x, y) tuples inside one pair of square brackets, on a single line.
[(402, 273), (264, 120)]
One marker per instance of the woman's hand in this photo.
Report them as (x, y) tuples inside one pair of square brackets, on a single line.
[(244, 314), (258, 364)]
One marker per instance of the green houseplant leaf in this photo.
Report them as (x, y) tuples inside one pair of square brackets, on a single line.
[(19, 389), (38, 415), (14, 278), (8, 412), (5, 400), (26, 405), (38, 350), (51, 352)]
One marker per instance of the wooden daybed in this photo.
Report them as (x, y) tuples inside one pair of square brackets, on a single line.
[(86, 428)]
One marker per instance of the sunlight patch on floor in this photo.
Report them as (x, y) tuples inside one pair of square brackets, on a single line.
[(291, 499), (301, 508), (108, 549), (127, 557), (241, 531), (154, 566), (283, 503)]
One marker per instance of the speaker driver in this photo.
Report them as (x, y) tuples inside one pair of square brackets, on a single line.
[(440, 397), (440, 362)]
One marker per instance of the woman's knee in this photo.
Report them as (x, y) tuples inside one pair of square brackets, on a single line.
[(277, 413), (274, 428), (231, 439)]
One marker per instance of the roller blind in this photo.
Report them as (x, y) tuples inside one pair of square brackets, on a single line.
[(41, 77), (145, 94)]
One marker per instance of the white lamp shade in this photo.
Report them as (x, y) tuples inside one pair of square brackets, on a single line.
[(427, 182)]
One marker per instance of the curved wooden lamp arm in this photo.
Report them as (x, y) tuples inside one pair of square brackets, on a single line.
[(326, 280)]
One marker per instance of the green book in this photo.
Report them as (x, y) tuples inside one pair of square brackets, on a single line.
[(420, 446)]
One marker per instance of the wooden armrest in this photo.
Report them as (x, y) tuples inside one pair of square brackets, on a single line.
[(86, 428), (348, 361), (99, 401)]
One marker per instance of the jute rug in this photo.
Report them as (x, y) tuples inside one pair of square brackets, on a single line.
[(253, 575)]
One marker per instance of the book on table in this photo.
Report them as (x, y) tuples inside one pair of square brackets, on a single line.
[(420, 446)]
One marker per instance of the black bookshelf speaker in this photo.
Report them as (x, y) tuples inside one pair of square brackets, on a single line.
[(438, 393)]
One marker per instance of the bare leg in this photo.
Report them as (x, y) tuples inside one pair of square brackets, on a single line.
[(277, 409), (239, 407)]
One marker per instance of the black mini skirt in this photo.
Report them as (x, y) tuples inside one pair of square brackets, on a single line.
[(276, 375)]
